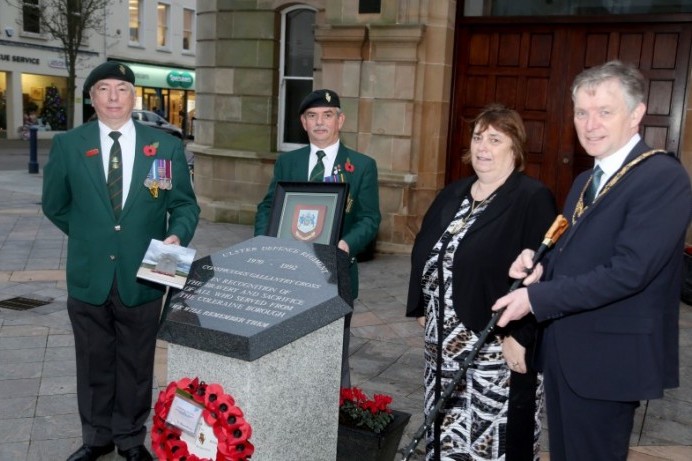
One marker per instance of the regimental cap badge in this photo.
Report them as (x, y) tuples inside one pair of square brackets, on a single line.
[(327, 96), (121, 68)]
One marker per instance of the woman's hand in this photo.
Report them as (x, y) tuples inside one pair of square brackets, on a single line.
[(421, 321), (515, 355)]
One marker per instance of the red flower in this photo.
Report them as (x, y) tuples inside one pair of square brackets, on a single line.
[(356, 409), (150, 150), (349, 166), (220, 412), (92, 152)]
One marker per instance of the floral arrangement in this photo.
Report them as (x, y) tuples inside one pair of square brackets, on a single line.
[(220, 412), (150, 150), (356, 409)]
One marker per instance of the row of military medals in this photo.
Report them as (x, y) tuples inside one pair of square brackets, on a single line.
[(160, 177)]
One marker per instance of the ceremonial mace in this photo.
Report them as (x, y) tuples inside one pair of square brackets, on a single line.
[(554, 233)]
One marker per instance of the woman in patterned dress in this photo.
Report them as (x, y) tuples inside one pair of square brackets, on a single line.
[(468, 239)]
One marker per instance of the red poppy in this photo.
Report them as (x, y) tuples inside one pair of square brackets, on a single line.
[(150, 150), (349, 166), (92, 152)]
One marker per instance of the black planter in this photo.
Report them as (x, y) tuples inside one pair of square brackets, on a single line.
[(686, 294), (356, 444)]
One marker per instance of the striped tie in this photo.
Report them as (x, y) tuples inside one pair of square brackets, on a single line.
[(317, 173), (115, 175)]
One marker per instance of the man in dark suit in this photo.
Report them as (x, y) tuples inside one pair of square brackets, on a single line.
[(610, 293), (322, 118), (111, 186)]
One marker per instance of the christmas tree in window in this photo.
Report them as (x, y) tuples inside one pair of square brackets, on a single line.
[(53, 113)]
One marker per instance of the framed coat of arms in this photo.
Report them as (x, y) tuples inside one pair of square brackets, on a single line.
[(310, 212)]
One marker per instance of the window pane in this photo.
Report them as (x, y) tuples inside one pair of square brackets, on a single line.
[(300, 43), (162, 29), (587, 7), (30, 16), (188, 18), (135, 20), (296, 90)]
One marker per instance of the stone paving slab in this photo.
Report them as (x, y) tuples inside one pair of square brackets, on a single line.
[(38, 410)]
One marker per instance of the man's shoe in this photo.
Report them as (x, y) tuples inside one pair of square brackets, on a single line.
[(90, 452), (138, 453)]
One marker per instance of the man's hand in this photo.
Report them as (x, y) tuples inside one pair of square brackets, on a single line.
[(421, 321), (523, 265), (344, 246), (172, 240), (517, 306)]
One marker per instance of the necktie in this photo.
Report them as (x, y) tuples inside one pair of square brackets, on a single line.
[(317, 173), (590, 194), (115, 174)]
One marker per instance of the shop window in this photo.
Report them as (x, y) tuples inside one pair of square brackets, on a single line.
[(135, 20), (31, 16), (163, 12), (296, 73), (3, 106), (188, 22), (44, 101)]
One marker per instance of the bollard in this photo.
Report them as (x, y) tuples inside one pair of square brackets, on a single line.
[(33, 148)]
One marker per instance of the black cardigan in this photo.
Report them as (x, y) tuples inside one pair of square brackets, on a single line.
[(517, 218)]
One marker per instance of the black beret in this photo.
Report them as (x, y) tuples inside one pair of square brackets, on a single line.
[(319, 98), (109, 69)]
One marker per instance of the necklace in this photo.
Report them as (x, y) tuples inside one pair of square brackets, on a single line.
[(581, 207), (456, 228)]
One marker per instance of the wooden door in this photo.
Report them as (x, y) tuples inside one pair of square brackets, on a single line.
[(529, 65)]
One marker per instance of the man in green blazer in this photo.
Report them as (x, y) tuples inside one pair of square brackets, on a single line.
[(111, 186), (322, 119)]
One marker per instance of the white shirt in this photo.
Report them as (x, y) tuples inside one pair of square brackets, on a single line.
[(328, 160), (128, 141), (613, 162)]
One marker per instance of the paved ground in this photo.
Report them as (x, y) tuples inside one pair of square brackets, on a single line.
[(38, 419)]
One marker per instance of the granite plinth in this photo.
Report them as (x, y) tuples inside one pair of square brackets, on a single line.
[(258, 296), (290, 396)]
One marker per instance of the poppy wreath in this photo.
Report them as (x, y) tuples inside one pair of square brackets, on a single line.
[(220, 412)]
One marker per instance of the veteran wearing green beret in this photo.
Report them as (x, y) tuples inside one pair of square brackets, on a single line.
[(327, 159), (112, 185)]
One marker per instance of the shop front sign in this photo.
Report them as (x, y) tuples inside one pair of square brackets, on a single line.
[(21, 59), (179, 79)]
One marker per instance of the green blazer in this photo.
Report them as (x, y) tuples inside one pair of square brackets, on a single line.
[(361, 219), (75, 199)]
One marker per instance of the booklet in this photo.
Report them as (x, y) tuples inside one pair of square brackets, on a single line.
[(166, 264)]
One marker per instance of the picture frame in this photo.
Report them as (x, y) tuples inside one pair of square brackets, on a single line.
[(36, 93), (310, 212)]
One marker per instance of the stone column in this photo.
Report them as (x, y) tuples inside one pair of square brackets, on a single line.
[(235, 129)]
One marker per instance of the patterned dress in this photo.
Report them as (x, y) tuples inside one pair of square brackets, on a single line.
[(472, 426)]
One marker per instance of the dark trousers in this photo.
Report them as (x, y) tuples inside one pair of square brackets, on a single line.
[(582, 428), (115, 348)]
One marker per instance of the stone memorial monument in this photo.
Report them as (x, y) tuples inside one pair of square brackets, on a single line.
[(264, 318)]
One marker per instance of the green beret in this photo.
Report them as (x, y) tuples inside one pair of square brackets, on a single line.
[(109, 69), (319, 98)]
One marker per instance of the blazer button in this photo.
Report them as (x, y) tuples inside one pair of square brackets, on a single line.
[(117, 228), (112, 257)]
